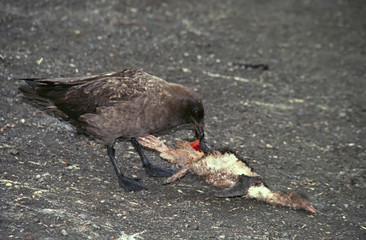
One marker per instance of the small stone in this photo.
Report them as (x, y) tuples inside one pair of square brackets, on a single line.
[(39, 61), (186, 70), (342, 114), (285, 235), (63, 232), (269, 146), (14, 151), (222, 236)]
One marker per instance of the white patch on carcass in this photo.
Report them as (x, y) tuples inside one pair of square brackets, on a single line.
[(226, 163), (260, 192)]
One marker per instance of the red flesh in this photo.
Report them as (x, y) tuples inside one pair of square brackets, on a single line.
[(196, 145)]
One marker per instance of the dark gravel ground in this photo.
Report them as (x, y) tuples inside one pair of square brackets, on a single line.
[(301, 124)]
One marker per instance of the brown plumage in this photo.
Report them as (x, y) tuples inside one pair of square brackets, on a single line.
[(119, 105), (225, 170)]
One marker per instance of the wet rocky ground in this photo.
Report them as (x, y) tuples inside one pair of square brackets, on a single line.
[(301, 123)]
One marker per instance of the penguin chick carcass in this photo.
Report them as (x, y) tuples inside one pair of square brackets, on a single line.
[(224, 170)]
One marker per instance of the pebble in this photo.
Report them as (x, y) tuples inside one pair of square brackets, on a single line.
[(63, 232), (285, 235), (13, 151), (222, 236)]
